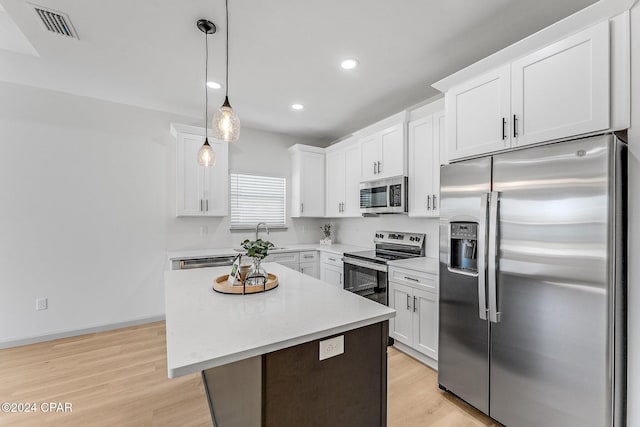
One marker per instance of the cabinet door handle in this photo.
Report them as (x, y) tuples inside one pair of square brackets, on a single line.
[(435, 206), (428, 202), (201, 205), (375, 168), (331, 259), (408, 302), (341, 278), (414, 304), (206, 205), (504, 128), (515, 126), (379, 167), (411, 278), (301, 207)]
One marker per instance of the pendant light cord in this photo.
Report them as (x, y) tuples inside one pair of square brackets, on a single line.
[(226, 6), (206, 89)]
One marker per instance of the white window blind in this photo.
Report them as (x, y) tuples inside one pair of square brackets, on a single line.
[(257, 199)]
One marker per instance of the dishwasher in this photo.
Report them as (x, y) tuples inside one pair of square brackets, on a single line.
[(203, 262)]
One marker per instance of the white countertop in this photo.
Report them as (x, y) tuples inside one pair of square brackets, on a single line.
[(423, 264), (336, 248), (206, 329)]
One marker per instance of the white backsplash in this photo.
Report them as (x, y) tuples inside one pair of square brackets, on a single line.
[(360, 231)]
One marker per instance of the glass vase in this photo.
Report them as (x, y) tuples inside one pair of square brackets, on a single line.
[(256, 276)]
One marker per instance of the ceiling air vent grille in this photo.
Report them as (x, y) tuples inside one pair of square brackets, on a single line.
[(56, 22)]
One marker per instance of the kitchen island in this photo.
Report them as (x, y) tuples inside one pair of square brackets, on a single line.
[(265, 359)]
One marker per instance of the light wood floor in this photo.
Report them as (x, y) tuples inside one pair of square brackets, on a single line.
[(119, 378)]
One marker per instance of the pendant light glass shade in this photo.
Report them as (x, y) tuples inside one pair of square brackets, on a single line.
[(226, 123), (206, 155)]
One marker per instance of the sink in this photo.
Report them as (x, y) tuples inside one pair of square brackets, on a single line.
[(276, 248)]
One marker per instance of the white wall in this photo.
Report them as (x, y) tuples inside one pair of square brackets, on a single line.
[(633, 377), (88, 210), (360, 231)]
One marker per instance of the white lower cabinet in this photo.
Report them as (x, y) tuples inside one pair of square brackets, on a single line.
[(309, 264), (306, 262), (331, 269), (415, 300), (310, 269)]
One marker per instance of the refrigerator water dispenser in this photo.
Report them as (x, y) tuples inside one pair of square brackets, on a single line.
[(464, 247)]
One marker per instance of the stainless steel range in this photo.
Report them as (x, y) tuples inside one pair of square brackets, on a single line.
[(365, 272)]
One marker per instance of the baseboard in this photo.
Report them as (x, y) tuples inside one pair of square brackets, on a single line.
[(426, 360), (77, 332)]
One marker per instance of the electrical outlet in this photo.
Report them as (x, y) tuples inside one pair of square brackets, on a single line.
[(331, 347), (42, 304)]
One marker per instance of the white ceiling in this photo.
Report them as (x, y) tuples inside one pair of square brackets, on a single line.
[(150, 54)]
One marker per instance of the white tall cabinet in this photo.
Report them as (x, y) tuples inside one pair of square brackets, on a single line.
[(559, 91), (426, 131), (343, 179), (200, 191), (307, 181)]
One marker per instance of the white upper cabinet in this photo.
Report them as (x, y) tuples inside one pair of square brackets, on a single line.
[(384, 148), (370, 147), (392, 151), (336, 172), (563, 89), (343, 179), (200, 191), (307, 181), (556, 92), (425, 135), (478, 115)]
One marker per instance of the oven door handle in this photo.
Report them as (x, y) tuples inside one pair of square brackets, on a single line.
[(363, 287), (364, 264)]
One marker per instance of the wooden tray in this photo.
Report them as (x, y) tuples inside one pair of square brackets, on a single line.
[(222, 285)]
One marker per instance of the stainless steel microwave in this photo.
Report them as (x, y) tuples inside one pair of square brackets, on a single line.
[(384, 196)]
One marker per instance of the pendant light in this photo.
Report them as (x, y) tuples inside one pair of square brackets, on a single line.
[(226, 123), (206, 155)]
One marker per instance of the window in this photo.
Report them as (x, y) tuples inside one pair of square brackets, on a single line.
[(257, 199)]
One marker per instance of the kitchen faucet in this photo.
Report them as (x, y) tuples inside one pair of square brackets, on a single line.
[(258, 228)]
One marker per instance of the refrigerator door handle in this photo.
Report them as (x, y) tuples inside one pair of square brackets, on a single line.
[(482, 257), (494, 314)]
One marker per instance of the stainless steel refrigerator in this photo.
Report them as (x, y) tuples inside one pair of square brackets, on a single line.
[(532, 284)]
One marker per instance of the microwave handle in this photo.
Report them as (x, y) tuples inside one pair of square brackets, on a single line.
[(375, 168)]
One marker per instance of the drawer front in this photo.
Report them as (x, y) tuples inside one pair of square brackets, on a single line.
[(292, 257), (308, 256), (331, 258), (416, 279)]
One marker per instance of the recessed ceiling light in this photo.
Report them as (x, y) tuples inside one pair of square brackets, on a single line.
[(297, 106), (349, 64), (213, 85)]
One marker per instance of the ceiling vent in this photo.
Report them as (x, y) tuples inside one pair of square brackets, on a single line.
[(56, 22)]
